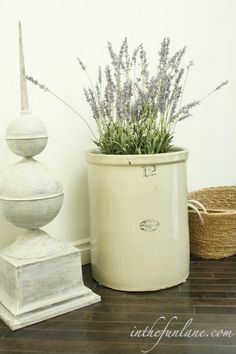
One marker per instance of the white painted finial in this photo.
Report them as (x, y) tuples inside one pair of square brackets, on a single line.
[(23, 87)]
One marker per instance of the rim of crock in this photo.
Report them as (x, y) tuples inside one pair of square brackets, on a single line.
[(176, 154)]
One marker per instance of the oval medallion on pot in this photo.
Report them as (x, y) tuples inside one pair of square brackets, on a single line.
[(149, 225)]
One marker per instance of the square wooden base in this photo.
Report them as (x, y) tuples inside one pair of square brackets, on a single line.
[(34, 290)]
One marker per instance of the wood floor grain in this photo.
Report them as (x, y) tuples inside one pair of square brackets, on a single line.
[(207, 300)]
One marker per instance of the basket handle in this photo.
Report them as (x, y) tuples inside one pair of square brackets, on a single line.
[(197, 207)]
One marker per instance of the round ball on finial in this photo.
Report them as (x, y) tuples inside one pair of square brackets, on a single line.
[(26, 136), (30, 193)]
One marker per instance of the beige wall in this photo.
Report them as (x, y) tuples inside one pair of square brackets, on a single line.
[(56, 32)]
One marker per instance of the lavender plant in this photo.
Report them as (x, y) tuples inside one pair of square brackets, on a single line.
[(136, 112)]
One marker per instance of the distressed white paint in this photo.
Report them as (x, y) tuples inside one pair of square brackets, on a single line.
[(26, 136), (31, 195), (37, 289), (33, 244), (40, 277)]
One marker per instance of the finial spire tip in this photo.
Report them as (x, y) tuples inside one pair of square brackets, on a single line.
[(23, 86)]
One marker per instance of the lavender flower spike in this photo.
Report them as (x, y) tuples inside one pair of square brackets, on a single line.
[(83, 67), (35, 82), (221, 85)]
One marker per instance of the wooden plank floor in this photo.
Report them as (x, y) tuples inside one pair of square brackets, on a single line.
[(208, 297)]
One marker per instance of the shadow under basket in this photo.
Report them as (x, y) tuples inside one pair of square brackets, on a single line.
[(216, 238)]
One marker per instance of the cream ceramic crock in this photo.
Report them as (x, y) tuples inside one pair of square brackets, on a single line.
[(138, 220)]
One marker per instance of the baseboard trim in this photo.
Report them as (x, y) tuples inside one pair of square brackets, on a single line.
[(84, 246)]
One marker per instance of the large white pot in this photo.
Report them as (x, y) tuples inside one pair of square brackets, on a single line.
[(138, 220)]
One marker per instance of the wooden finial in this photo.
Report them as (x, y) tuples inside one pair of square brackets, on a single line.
[(23, 86)]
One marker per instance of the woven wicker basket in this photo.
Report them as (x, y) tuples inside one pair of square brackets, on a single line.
[(217, 237)]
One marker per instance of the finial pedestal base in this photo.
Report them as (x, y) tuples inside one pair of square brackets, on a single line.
[(33, 290)]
